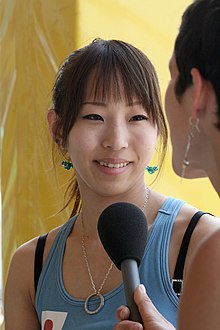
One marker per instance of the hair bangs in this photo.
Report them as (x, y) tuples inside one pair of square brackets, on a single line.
[(107, 83)]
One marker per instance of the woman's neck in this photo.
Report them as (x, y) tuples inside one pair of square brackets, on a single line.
[(214, 174), (213, 160), (93, 204)]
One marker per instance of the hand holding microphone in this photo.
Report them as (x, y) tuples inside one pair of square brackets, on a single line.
[(151, 317), (122, 228)]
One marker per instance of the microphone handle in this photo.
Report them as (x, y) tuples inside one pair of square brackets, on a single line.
[(131, 280)]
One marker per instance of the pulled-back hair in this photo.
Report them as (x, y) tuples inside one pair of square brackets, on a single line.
[(198, 46), (118, 71)]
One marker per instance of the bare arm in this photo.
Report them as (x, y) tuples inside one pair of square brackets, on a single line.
[(19, 292), (200, 301)]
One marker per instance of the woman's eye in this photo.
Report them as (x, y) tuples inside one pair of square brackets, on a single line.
[(139, 118), (93, 116)]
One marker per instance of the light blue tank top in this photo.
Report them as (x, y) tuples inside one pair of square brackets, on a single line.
[(57, 310)]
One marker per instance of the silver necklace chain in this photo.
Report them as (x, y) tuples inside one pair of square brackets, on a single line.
[(97, 293), (87, 263)]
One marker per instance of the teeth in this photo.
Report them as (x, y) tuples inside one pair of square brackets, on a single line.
[(110, 165)]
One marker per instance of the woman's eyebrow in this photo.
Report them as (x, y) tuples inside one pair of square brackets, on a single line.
[(102, 104), (131, 104), (94, 103)]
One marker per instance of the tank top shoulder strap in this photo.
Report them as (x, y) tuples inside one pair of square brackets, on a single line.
[(39, 252), (38, 259), (177, 280)]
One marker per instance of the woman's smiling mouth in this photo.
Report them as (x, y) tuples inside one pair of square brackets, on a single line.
[(113, 165)]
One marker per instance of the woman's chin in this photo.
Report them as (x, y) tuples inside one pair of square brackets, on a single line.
[(190, 172), (195, 174)]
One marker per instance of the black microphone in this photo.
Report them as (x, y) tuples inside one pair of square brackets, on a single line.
[(122, 229)]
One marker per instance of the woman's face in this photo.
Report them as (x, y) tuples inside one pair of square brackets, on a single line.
[(176, 118), (110, 145)]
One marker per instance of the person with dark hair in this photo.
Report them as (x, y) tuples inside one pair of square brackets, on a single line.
[(197, 65), (106, 121), (192, 106), (193, 94)]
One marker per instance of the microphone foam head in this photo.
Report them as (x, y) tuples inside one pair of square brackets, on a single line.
[(122, 229)]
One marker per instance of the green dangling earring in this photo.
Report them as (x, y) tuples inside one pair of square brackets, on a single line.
[(67, 165), (151, 169)]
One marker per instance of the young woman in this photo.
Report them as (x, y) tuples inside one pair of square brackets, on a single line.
[(193, 103), (106, 120)]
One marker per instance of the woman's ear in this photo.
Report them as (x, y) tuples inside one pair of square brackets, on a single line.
[(203, 94), (198, 92), (52, 123)]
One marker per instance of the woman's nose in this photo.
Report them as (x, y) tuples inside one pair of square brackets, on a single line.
[(115, 137)]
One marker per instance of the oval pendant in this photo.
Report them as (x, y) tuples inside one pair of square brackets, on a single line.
[(86, 304)]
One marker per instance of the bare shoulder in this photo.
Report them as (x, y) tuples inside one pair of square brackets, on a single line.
[(19, 297), (26, 252), (19, 290), (206, 260), (23, 258), (209, 251), (206, 263), (207, 225)]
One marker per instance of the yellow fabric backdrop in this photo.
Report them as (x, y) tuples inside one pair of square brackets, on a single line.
[(35, 37)]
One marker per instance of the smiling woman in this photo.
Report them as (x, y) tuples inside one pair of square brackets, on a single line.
[(103, 76), (111, 127), (106, 119)]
